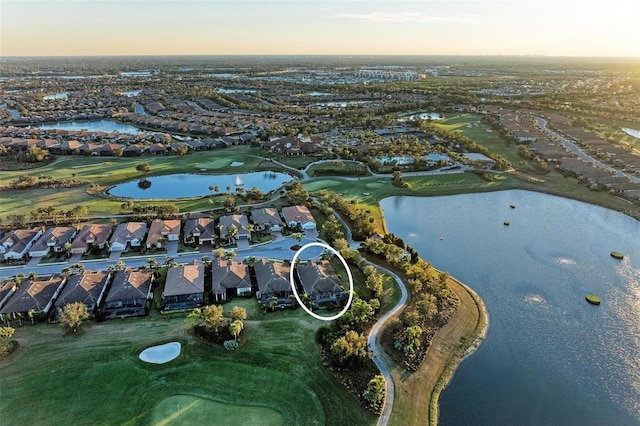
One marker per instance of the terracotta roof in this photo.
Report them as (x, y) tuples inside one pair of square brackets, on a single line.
[(185, 279), (34, 295), (229, 274), (299, 214), (85, 287), (272, 277), (159, 228), (129, 284)]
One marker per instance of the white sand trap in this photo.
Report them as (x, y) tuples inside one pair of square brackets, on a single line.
[(237, 164), (161, 354)]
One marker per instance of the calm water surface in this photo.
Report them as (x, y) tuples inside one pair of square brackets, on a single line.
[(549, 356), (106, 126), (186, 185)]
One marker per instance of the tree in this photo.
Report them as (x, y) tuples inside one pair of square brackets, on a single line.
[(350, 348), (72, 315), (212, 316), (238, 313), (218, 253), (143, 168), (375, 393), (231, 233), (374, 283), (235, 327), (33, 276), (230, 254), (272, 302), (298, 236), (119, 265), (167, 211), (6, 333), (182, 150), (67, 248)]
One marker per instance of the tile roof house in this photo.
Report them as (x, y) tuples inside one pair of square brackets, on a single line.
[(229, 279), (184, 287), (129, 293), (200, 231), (93, 234), (87, 287), (241, 223), (7, 288), (298, 217), (273, 281), (320, 282), (128, 234), (266, 219), (15, 244), (53, 238), (163, 228), (35, 295)]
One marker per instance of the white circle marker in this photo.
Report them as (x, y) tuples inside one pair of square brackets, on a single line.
[(295, 292)]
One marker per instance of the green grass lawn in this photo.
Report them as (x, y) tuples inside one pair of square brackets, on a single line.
[(108, 171), (97, 378), (192, 410), (479, 133)]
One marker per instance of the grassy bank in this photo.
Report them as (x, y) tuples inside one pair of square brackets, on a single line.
[(97, 378), (417, 392)]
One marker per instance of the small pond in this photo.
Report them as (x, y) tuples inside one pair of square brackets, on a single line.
[(185, 185), (55, 96)]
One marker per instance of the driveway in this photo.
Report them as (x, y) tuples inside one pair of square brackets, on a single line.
[(172, 248), (34, 261), (114, 256)]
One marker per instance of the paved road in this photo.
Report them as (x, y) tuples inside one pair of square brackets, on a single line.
[(374, 334), (571, 146), (279, 249)]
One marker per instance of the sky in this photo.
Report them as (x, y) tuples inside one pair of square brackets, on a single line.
[(310, 27)]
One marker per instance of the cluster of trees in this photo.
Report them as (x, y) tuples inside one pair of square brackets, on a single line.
[(6, 344), (139, 212), (361, 219), (20, 159), (210, 323), (296, 194), (431, 302), (46, 182), (51, 216), (398, 181)]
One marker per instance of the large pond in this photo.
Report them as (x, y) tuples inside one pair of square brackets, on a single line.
[(549, 356), (186, 185), (106, 126), (632, 132)]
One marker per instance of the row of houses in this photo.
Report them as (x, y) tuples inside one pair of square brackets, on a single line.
[(125, 292), (38, 242)]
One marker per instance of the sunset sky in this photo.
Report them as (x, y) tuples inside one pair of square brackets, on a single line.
[(420, 27)]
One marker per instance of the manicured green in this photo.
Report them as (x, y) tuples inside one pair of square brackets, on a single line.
[(97, 378)]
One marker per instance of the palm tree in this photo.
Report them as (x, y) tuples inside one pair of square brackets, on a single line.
[(33, 276), (211, 189), (153, 264), (119, 265), (272, 302), (206, 260), (31, 313)]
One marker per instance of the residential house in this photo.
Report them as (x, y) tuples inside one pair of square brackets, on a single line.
[(240, 222), (229, 279), (7, 288), (129, 293), (320, 282), (157, 149), (273, 281), (163, 229), (128, 234), (298, 217), (53, 238), (87, 287), (90, 235), (184, 287), (15, 244), (37, 296), (266, 220), (199, 231)]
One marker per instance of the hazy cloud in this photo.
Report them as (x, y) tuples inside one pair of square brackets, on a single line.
[(405, 17)]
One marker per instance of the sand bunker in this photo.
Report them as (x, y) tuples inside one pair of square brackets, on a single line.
[(237, 164), (161, 354)]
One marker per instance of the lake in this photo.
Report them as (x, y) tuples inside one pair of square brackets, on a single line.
[(187, 185), (631, 132), (549, 357), (106, 126)]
